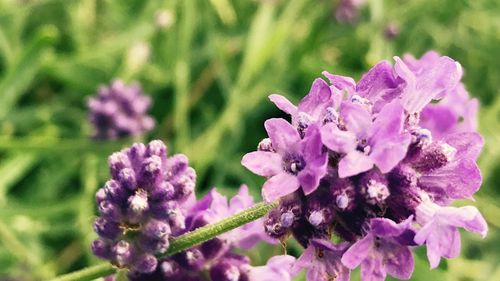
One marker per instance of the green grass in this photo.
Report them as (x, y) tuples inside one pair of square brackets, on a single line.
[(209, 74)]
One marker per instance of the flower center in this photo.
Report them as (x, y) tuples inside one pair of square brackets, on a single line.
[(293, 164)]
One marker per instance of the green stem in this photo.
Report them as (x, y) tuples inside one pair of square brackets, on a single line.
[(182, 242)]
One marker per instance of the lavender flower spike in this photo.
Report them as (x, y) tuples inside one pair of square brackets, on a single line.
[(140, 207), (294, 162), (384, 250), (119, 111)]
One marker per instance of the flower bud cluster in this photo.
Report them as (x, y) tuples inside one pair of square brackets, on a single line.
[(216, 260), (119, 111), (376, 163), (141, 206)]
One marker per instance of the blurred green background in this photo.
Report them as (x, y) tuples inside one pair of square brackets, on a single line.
[(209, 66)]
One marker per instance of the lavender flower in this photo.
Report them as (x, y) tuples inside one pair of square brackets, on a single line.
[(142, 205), (119, 111), (365, 143), (383, 250), (294, 162), (215, 259), (400, 146), (322, 261)]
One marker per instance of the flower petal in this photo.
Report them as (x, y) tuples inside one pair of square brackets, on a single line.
[(358, 252), (283, 135), (432, 80), (283, 104), (400, 263), (263, 163), (356, 118), (278, 186), (379, 85), (317, 100), (338, 140), (353, 163)]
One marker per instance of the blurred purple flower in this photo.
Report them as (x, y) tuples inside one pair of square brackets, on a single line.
[(119, 111)]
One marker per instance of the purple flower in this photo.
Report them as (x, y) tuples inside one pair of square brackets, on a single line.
[(347, 10), (384, 250), (455, 113), (322, 259), (215, 259), (143, 198), (315, 107), (277, 268), (401, 144), (214, 207), (365, 143), (448, 169), (119, 111), (294, 163), (429, 78), (440, 225)]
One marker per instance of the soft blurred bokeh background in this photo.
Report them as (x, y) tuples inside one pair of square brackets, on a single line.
[(209, 66)]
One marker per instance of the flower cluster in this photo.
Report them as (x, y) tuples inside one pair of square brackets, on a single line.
[(142, 205), (376, 163), (151, 199), (215, 259), (119, 111)]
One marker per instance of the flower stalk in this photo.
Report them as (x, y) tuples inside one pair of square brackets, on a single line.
[(182, 242)]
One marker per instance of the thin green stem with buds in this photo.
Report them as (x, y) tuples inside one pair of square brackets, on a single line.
[(182, 242)]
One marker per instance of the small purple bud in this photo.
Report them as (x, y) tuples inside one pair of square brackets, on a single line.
[(165, 191), (287, 219), (191, 259), (115, 192), (273, 226), (151, 171), (123, 253), (224, 271), (303, 121), (110, 211), (212, 248), (342, 201), (391, 30), (169, 268), (138, 203), (101, 249), (176, 165), (331, 116), (116, 162), (106, 229), (145, 263), (316, 218), (127, 178), (157, 148), (154, 245), (184, 187), (434, 157), (100, 195), (136, 155), (344, 194), (157, 229), (375, 192), (265, 145)]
